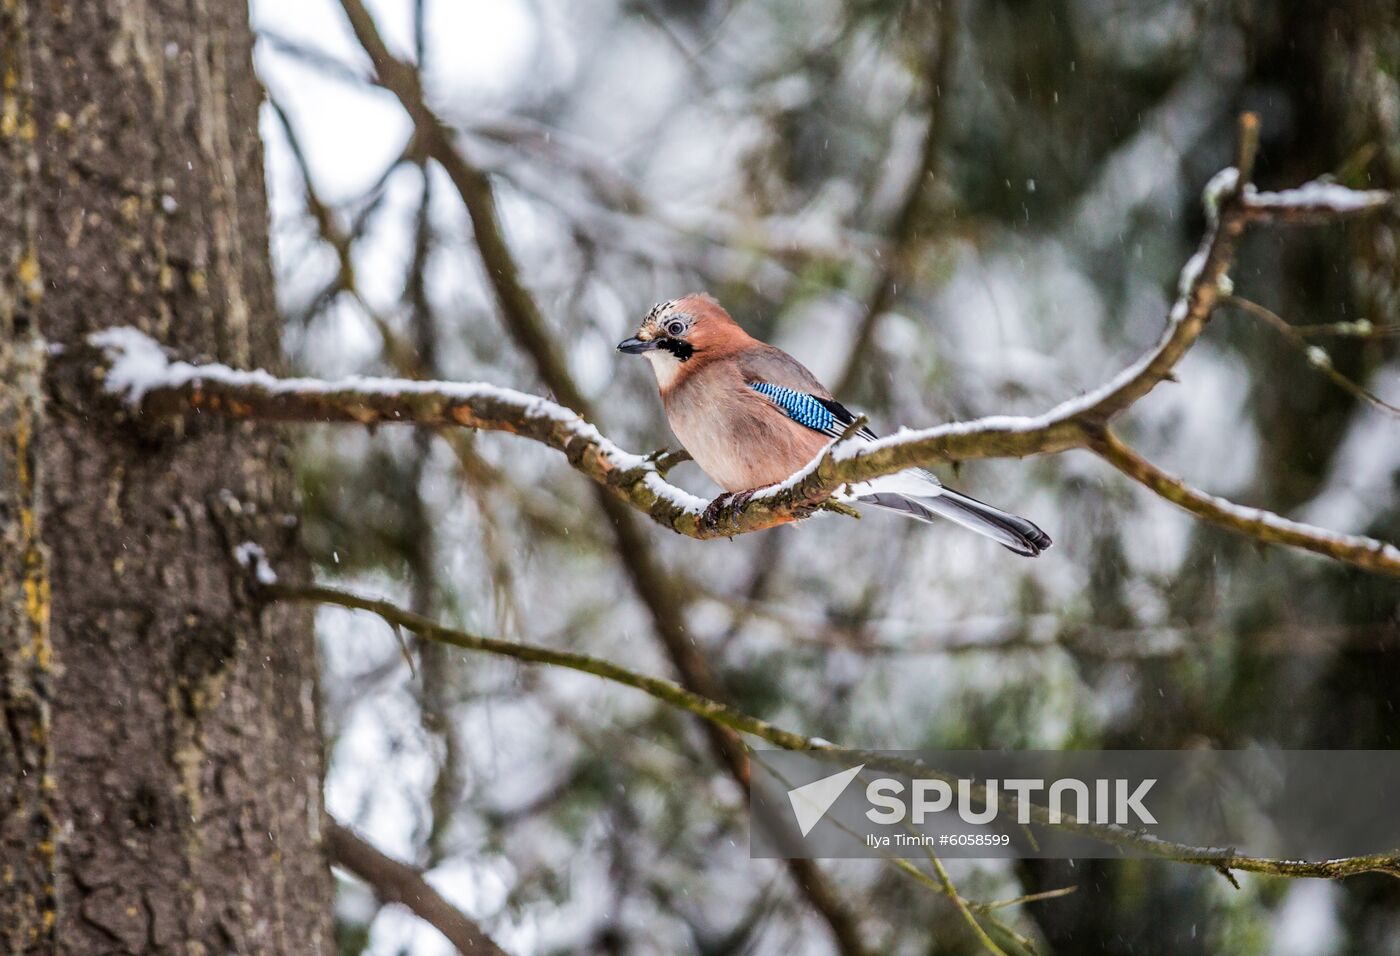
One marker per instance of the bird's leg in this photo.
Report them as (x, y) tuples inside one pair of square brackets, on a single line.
[(736, 498), (710, 519), (742, 498)]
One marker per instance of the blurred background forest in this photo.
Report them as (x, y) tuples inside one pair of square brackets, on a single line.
[(951, 209)]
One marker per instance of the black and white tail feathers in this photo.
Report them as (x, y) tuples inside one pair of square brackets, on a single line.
[(1010, 531)]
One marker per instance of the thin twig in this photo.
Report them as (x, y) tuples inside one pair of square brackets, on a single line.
[(1359, 329), (524, 319), (882, 296), (1316, 356), (952, 893), (668, 692)]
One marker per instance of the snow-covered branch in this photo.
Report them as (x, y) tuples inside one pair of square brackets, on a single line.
[(138, 370), (1368, 553), (1315, 202)]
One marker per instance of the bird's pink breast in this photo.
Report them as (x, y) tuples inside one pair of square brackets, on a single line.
[(736, 436)]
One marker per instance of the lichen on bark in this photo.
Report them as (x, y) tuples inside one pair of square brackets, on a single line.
[(153, 715), (28, 818)]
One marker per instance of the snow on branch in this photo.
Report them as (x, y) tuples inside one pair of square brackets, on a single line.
[(1316, 202), (138, 370), (140, 373), (1368, 553)]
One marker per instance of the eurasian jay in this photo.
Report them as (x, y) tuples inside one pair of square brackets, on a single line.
[(751, 415)]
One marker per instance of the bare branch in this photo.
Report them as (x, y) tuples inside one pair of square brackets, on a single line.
[(315, 58), (677, 696), (1317, 357), (138, 370), (668, 692), (523, 317), (1359, 329), (395, 882), (896, 264)]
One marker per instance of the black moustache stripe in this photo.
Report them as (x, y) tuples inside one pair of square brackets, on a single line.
[(680, 349)]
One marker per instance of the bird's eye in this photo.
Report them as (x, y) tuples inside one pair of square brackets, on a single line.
[(675, 328)]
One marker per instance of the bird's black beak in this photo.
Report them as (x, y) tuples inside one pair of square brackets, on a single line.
[(636, 346)]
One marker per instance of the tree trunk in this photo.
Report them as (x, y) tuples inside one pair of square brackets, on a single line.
[(160, 763)]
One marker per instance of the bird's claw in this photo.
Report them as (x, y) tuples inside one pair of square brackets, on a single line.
[(710, 519), (737, 499)]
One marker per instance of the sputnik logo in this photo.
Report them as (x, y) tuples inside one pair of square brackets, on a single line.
[(811, 801)]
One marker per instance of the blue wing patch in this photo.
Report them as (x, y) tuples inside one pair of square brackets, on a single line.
[(819, 414)]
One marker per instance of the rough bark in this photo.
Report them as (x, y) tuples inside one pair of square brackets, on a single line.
[(180, 735), (27, 814)]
